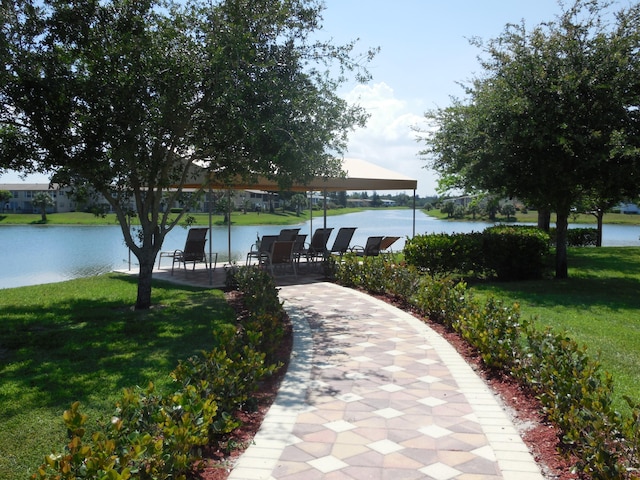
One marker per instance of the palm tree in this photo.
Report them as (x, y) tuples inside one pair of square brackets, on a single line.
[(43, 200)]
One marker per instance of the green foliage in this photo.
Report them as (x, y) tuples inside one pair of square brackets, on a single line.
[(578, 237), (131, 106), (573, 391), (156, 435), (515, 252), (443, 253), (493, 329), (508, 252), (551, 117)]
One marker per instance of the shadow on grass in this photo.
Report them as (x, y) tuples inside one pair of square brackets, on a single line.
[(92, 348), (608, 277)]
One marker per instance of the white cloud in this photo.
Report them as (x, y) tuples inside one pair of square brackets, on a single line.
[(388, 139)]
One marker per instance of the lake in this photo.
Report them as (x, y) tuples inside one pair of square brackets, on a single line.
[(34, 254)]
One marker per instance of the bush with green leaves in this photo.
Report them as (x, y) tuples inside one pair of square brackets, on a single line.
[(515, 252), (510, 252), (574, 393), (159, 435), (577, 237), (443, 253)]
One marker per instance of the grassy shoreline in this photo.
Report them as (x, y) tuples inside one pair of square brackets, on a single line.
[(532, 217), (237, 218), (287, 218)]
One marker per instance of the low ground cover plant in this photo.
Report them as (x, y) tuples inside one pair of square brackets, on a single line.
[(573, 390)]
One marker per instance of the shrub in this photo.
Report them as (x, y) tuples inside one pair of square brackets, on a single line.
[(509, 252), (159, 435), (515, 252), (445, 253), (577, 237)]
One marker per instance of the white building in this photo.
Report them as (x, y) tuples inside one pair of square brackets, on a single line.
[(23, 193)]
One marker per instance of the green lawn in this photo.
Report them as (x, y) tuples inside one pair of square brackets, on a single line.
[(532, 217), (598, 306), (80, 340), (237, 218)]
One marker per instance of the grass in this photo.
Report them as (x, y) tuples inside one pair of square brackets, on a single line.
[(237, 218), (80, 340), (598, 306), (532, 217)]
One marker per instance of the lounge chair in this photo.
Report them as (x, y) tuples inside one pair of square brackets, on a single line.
[(281, 254), (262, 250), (318, 246), (298, 246), (386, 243), (193, 251), (341, 243), (288, 234), (371, 248)]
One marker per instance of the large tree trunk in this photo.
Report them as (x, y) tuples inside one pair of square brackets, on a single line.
[(544, 220), (143, 300), (562, 224)]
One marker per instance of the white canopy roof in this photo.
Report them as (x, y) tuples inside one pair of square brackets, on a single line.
[(360, 175)]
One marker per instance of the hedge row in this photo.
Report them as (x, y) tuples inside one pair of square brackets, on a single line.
[(509, 252), (574, 392), (160, 435)]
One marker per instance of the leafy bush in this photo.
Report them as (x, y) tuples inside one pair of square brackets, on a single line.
[(159, 435), (509, 252), (577, 237), (445, 253), (515, 252)]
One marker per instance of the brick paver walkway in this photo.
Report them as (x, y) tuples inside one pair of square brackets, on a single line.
[(373, 393)]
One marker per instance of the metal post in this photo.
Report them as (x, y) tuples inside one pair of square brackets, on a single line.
[(210, 237)]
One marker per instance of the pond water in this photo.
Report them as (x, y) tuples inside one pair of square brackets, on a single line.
[(37, 254)]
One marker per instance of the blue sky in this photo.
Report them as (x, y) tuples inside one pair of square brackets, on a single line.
[(424, 53)]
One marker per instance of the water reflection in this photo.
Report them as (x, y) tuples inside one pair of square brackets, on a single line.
[(44, 254)]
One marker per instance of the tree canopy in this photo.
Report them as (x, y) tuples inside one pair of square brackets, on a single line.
[(126, 96), (553, 119)]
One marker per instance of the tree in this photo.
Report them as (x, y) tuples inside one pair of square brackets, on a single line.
[(375, 200), (508, 210), (126, 96), (42, 201), (555, 116), (5, 196), (299, 202)]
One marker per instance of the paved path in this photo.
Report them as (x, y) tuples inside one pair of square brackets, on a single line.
[(373, 393)]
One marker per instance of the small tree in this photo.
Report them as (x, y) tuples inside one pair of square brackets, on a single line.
[(298, 201), (5, 196), (508, 210), (448, 208), (474, 208), (42, 201)]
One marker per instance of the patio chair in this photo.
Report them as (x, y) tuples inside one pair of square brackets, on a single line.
[(318, 246), (262, 250), (288, 234), (341, 243), (298, 246), (371, 248), (193, 251), (281, 254), (385, 244)]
